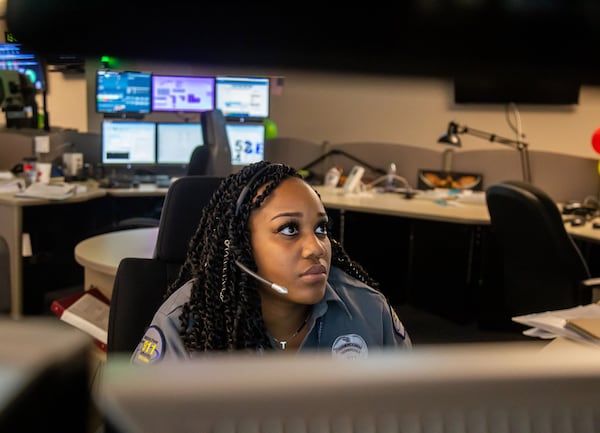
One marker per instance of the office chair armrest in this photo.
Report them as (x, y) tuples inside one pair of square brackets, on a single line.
[(587, 288), (137, 222), (591, 282)]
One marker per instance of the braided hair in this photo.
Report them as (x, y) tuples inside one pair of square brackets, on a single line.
[(224, 310)]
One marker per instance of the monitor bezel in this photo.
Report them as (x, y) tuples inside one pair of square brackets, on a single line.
[(38, 62), (127, 110), (242, 116), (128, 164), (245, 124), (158, 143), (156, 77)]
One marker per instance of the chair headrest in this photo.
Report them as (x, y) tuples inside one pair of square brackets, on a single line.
[(181, 212)]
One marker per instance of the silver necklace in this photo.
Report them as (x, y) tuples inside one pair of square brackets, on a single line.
[(283, 343)]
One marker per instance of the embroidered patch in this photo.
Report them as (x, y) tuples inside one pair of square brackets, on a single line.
[(350, 346), (398, 326), (151, 347)]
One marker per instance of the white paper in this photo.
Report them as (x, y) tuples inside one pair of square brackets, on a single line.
[(553, 322), (50, 191)]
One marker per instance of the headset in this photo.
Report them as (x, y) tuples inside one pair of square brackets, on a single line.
[(238, 203)]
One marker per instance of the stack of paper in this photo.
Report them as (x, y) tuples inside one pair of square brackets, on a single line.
[(12, 185), (580, 323), (50, 191)]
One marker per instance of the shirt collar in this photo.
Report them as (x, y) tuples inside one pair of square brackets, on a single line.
[(331, 295)]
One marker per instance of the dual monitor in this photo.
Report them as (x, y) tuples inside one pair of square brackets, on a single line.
[(130, 92), (133, 143)]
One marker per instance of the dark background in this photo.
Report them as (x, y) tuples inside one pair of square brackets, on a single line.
[(529, 38)]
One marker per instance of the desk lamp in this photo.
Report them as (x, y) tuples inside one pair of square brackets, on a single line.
[(452, 138)]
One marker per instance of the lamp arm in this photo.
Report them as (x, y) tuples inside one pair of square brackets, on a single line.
[(516, 144)]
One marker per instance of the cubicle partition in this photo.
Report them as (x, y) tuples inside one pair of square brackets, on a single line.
[(563, 177)]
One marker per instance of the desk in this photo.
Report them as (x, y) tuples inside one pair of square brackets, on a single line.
[(585, 232), (100, 255), (411, 270), (397, 205), (11, 228), (12, 224)]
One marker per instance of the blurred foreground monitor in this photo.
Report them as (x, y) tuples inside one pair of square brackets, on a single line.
[(491, 387)]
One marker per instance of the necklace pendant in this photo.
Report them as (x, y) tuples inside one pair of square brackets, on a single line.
[(283, 344)]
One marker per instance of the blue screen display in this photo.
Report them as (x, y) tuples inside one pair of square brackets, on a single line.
[(12, 57), (123, 92)]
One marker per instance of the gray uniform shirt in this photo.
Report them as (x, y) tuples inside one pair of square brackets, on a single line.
[(351, 319)]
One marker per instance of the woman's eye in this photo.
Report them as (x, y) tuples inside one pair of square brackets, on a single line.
[(322, 228), (289, 229)]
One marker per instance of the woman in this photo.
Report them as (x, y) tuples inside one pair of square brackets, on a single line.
[(262, 273)]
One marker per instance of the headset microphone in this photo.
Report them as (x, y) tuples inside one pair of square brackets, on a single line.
[(276, 287)]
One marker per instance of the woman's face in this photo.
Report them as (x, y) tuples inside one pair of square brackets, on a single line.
[(289, 239)]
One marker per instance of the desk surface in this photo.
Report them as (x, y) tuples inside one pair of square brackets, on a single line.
[(585, 232), (104, 252), (396, 205)]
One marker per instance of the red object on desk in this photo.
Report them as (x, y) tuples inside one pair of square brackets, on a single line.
[(596, 140), (59, 306)]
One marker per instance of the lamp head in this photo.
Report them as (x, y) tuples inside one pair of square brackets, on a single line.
[(451, 136)]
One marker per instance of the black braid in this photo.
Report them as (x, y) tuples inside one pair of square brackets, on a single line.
[(224, 311)]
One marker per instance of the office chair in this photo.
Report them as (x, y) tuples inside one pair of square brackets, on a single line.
[(140, 284), (542, 268), (198, 164), (214, 135)]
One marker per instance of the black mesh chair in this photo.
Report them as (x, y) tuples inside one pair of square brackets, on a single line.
[(542, 268), (140, 284), (199, 161)]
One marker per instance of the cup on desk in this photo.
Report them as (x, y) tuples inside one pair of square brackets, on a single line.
[(29, 170), (44, 170), (73, 162)]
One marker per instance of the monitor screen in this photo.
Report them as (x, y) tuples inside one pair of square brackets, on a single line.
[(493, 387), (123, 92), (12, 57), (246, 141), (128, 142), (245, 97), (176, 141), (181, 93)]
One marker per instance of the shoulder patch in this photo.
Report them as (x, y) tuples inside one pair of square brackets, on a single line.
[(349, 346), (151, 348), (398, 326)]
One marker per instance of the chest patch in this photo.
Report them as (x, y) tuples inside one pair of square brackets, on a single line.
[(350, 346)]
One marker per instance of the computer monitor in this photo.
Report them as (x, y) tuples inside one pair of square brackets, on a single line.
[(242, 97), (493, 387), (14, 57), (175, 142), (246, 141), (128, 142), (183, 93), (123, 92), (45, 369)]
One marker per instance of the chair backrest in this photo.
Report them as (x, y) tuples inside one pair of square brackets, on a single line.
[(542, 267), (182, 208), (214, 135), (199, 160), (140, 284)]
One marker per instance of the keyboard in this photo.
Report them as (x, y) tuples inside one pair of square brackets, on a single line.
[(131, 181), (149, 178)]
